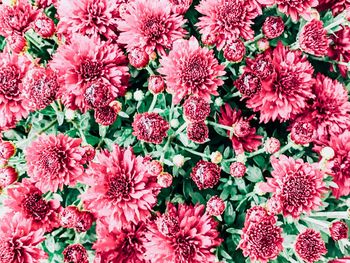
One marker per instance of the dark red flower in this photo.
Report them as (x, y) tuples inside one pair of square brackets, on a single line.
[(205, 174), (215, 206), (261, 65), (196, 109), (150, 127), (84, 221), (313, 38), (75, 253), (340, 48), (106, 115), (197, 132), (309, 246), (339, 230), (69, 216), (302, 132), (248, 84), (273, 27), (98, 94)]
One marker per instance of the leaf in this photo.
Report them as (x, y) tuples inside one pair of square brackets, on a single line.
[(254, 174)]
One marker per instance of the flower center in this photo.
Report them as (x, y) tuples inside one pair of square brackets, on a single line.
[(9, 81), (7, 252), (287, 82), (36, 206), (119, 188), (168, 225), (241, 129), (90, 70), (231, 14), (263, 68), (195, 71), (52, 160), (184, 249), (154, 28)]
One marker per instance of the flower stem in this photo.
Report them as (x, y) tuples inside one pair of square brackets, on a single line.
[(258, 37), (229, 128), (180, 129), (153, 103), (338, 214), (193, 152), (262, 150), (149, 70), (317, 222), (339, 20)]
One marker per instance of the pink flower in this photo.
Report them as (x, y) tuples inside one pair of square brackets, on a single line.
[(340, 260), (197, 132), (17, 18), (75, 253), (122, 246), (273, 27), (183, 234), (248, 84), (205, 174), (298, 186), (17, 43), (235, 51), (243, 137), (86, 61), (296, 8), (339, 230), (28, 200), (329, 112), (309, 246), (191, 69), (215, 206), (7, 150), (180, 6), (313, 38), (337, 6), (138, 58), (196, 109), (94, 18), (156, 84), (227, 20), (8, 175), (272, 145), (284, 93), (261, 239), (340, 48), (44, 3), (54, 161), (108, 114), (12, 106), (121, 189), (165, 179), (302, 132), (150, 127), (44, 26), (150, 25), (18, 240), (237, 169)]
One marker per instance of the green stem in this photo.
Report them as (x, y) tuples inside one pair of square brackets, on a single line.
[(180, 129), (262, 150), (338, 214), (258, 37), (289, 145), (47, 127), (340, 19), (194, 152), (149, 70), (229, 128), (317, 222), (233, 95), (153, 103)]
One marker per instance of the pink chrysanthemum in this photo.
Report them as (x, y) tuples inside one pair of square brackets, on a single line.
[(296, 8), (54, 161), (273, 27), (286, 92), (44, 26), (8, 175), (86, 61), (150, 25), (235, 51), (122, 190), (243, 135), (237, 169), (75, 253), (12, 72), (19, 240), (196, 109), (302, 132), (298, 186), (7, 150), (205, 174), (313, 38), (309, 246), (340, 164), (122, 246), (150, 127), (42, 4), (329, 112), (340, 48), (248, 84), (27, 199), (16, 18), (227, 20), (337, 6), (339, 230), (272, 145), (215, 206), (180, 6), (88, 17), (156, 84), (261, 239), (191, 69), (183, 234)]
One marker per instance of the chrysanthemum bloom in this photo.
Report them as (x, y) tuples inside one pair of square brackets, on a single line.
[(297, 185), (150, 127), (108, 114), (165, 180), (215, 206), (150, 25), (302, 132), (89, 153), (274, 206), (180, 6), (75, 253), (337, 6), (17, 43), (313, 38), (272, 145), (183, 234), (261, 65), (296, 8), (54, 161), (40, 87), (248, 84), (69, 216), (191, 69), (237, 169), (138, 58), (205, 174), (156, 84), (196, 109), (197, 132), (273, 27), (122, 246), (340, 48), (8, 175), (84, 222), (261, 239), (339, 230), (85, 61), (44, 26), (229, 20), (340, 164), (98, 95), (28, 200), (19, 240), (94, 18), (12, 71), (243, 137), (16, 18), (309, 246), (234, 51), (153, 167), (216, 157), (285, 93), (329, 112), (121, 189), (7, 150)]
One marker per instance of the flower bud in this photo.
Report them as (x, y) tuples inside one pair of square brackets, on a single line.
[(272, 145), (327, 153), (165, 180), (216, 157), (7, 150), (156, 84), (237, 169), (215, 206), (8, 175), (139, 95), (138, 58), (179, 160), (17, 43), (44, 26)]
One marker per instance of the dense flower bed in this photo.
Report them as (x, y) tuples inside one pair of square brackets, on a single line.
[(174, 131)]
